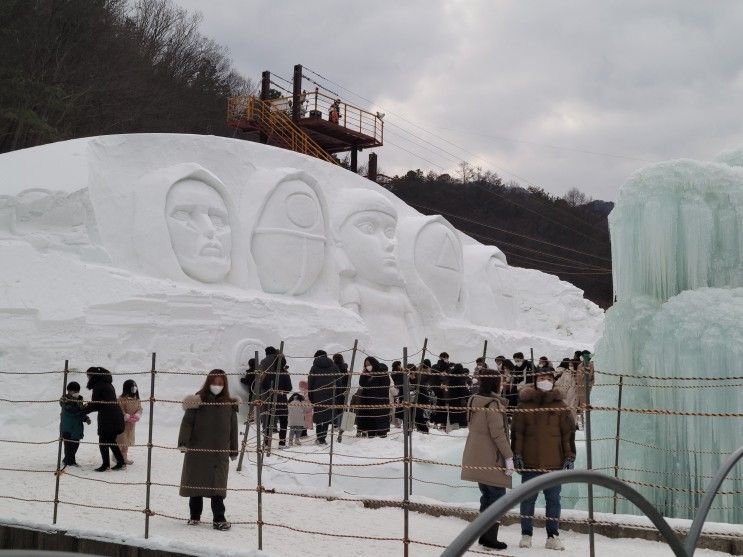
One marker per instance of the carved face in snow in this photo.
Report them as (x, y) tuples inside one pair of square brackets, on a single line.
[(199, 229), (288, 243), (370, 241)]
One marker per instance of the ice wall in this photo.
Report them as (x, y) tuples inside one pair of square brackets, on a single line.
[(677, 251)]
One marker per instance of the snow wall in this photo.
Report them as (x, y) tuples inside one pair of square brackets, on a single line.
[(677, 251), (206, 249)]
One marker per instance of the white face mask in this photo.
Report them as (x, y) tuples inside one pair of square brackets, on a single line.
[(134, 390), (544, 385), (369, 368), (216, 389)]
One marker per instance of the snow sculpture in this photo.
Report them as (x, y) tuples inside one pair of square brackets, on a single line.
[(677, 251), (193, 235), (366, 249), (431, 262), (489, 298), (288, 242), (199, 230), (113, 247)]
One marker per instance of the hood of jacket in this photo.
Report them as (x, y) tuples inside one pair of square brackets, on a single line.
[(480, 401), (191, 402), (532, 394), (323, 362), (101, 378)]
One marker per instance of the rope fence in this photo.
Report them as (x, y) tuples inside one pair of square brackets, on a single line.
[(264, 409)]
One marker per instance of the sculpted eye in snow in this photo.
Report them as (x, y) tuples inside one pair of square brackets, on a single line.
[(181, 214), (389, 232), (366, 227)]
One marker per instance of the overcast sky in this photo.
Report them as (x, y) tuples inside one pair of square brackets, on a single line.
[(560, 94)]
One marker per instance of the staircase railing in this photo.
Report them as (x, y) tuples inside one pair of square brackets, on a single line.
[(277, 125)]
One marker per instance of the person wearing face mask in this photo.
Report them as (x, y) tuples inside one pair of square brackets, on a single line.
[(487, 457), (208, 439), (522, 370), (132, 409), (541, 441), (374, 388)]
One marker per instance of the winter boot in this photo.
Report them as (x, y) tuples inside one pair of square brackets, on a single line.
[(102, 468), (525, 541), (119, 466), (222, 525), (490, 538)]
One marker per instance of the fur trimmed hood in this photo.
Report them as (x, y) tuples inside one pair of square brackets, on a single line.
[(191, 402), (532, 394)]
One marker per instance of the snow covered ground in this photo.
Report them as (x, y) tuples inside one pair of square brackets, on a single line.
[(298, 469)]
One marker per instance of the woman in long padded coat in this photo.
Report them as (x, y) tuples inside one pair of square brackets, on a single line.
[(374, 389), (208, 437), (110, 417)]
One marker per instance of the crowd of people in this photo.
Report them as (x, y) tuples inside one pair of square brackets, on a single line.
[(446, 395)]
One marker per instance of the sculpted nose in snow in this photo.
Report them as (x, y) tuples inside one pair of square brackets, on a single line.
[(199, 231)]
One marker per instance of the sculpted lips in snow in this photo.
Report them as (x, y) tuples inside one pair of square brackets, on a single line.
[(212, 249)]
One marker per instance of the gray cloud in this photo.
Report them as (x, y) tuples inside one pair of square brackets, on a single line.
[(527, 87)]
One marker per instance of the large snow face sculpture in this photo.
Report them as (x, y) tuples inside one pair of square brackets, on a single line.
[(431, 261), (490, 301), (199, 229), (184, 225), (288, 242), (367, 234), (365, 231)]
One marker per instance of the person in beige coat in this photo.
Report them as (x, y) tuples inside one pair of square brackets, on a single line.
[(487, 457), (132, 409), (208, 437)]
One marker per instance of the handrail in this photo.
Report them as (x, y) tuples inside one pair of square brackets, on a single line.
[(351, 117), (709, 496), (490, 516), (494, 512), (276, 124)]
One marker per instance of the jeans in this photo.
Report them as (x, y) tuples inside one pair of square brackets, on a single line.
[(196, 505), (108, 441), (552, 498), (489, 495)]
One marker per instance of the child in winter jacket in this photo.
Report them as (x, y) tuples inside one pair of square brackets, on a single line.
[(296, 418), (308, 413), (72, 421), (132, 409)]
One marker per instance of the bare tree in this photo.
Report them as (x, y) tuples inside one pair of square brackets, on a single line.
[(574, 197)]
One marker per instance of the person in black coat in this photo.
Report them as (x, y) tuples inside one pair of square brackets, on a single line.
[(439, 383), (374, 389), (110, 417), (322, 383), (398, 376), (523, 370), (274, 380), (458, 395), (341, 388), (418, 397), (248, 380)]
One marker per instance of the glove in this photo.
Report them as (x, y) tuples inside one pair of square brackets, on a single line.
[(233, 457), (509, 467), (518, 463), (126, 417), (568, 464), (87, 420), (182, 449), (134, 418)]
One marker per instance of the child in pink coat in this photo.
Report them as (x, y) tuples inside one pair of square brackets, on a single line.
[(304, 391)]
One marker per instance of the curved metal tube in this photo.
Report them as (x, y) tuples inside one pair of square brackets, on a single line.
[(700, 516), (490, 516)]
